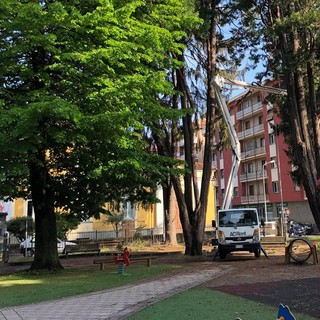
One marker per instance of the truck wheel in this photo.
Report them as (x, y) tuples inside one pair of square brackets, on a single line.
[(257, 253), (222, 254)]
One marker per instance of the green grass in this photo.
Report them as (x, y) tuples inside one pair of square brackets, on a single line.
[(199, 303), (31, 287), (314, 237), (202, 303)]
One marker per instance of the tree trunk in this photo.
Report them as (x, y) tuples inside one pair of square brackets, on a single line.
[(184, 215), (170, 217), (46, 253), (192, 203)]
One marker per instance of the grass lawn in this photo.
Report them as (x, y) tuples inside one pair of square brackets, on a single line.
[(31, 287), (198, 303), (202, 303)]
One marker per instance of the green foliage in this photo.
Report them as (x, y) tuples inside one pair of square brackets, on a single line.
[(138, 238), (65, 224), (79, 81), (76, 84), (19, 225), (116, 219)]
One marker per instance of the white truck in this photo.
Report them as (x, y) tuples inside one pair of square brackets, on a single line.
[(237, 230)]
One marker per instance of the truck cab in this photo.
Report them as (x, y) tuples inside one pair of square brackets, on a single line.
[(237, 230)]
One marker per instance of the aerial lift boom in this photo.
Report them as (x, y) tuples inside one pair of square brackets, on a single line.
[(235, 144)]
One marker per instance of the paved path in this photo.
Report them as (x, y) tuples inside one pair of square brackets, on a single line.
[(114, 303)]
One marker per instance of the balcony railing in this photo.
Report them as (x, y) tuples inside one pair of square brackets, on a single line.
[(247, 111), (250, 132), (254, 199), (251, 175), (253, 152)]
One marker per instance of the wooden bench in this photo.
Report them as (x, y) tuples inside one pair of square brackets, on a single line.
[(82, 248), (147, 259), (109, 243), (103, 263)]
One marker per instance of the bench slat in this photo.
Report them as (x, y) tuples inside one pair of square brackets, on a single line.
[(88, 247)]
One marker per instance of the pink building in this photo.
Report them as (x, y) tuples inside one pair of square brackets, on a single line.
[(263, 179)]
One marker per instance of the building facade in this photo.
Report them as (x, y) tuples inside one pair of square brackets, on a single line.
[(263, 179), (148, 220)]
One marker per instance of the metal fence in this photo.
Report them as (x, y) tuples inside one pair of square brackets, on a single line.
[(151, 235)]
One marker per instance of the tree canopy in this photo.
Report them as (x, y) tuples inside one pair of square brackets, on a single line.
[(76, 79), (81, 83)]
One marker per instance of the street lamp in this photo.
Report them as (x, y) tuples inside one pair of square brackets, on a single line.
[(264, 187)]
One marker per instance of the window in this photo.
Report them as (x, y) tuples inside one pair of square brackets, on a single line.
[(250, 167), (221, 174), (246, 217), (222, 193), (275, 188), (251, 190), (221, 154), (128, 210), (271, 138), (235, 192), (260, 120), (29, 208), (273, 162), (247, 125), (262, 142), (214, 159)]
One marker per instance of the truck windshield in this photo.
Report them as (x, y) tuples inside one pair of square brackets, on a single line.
[(237, 218)]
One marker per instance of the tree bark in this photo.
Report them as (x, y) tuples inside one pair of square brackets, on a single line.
[(46, 253), (170, 216)]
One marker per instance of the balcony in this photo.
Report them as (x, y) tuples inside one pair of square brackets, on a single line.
[(249, 111), (250, 132), (247, 176), (253, 153), (256, 198)]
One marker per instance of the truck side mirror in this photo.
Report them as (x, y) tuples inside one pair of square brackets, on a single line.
[(213, 223)]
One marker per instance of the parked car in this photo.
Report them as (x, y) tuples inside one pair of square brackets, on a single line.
[(29, 244), (298, 229)]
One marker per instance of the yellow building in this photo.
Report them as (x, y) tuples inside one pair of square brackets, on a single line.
[(137, 217)]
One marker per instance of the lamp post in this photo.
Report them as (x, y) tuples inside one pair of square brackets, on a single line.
[(264, 188)]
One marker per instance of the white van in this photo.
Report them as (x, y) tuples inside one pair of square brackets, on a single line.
[(237, 230), (27, 247)]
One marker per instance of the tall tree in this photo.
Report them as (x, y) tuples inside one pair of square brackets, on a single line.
[(289, 32), (196, 100), (75, 81)]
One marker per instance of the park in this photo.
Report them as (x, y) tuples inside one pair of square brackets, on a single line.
[(174, 283)]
